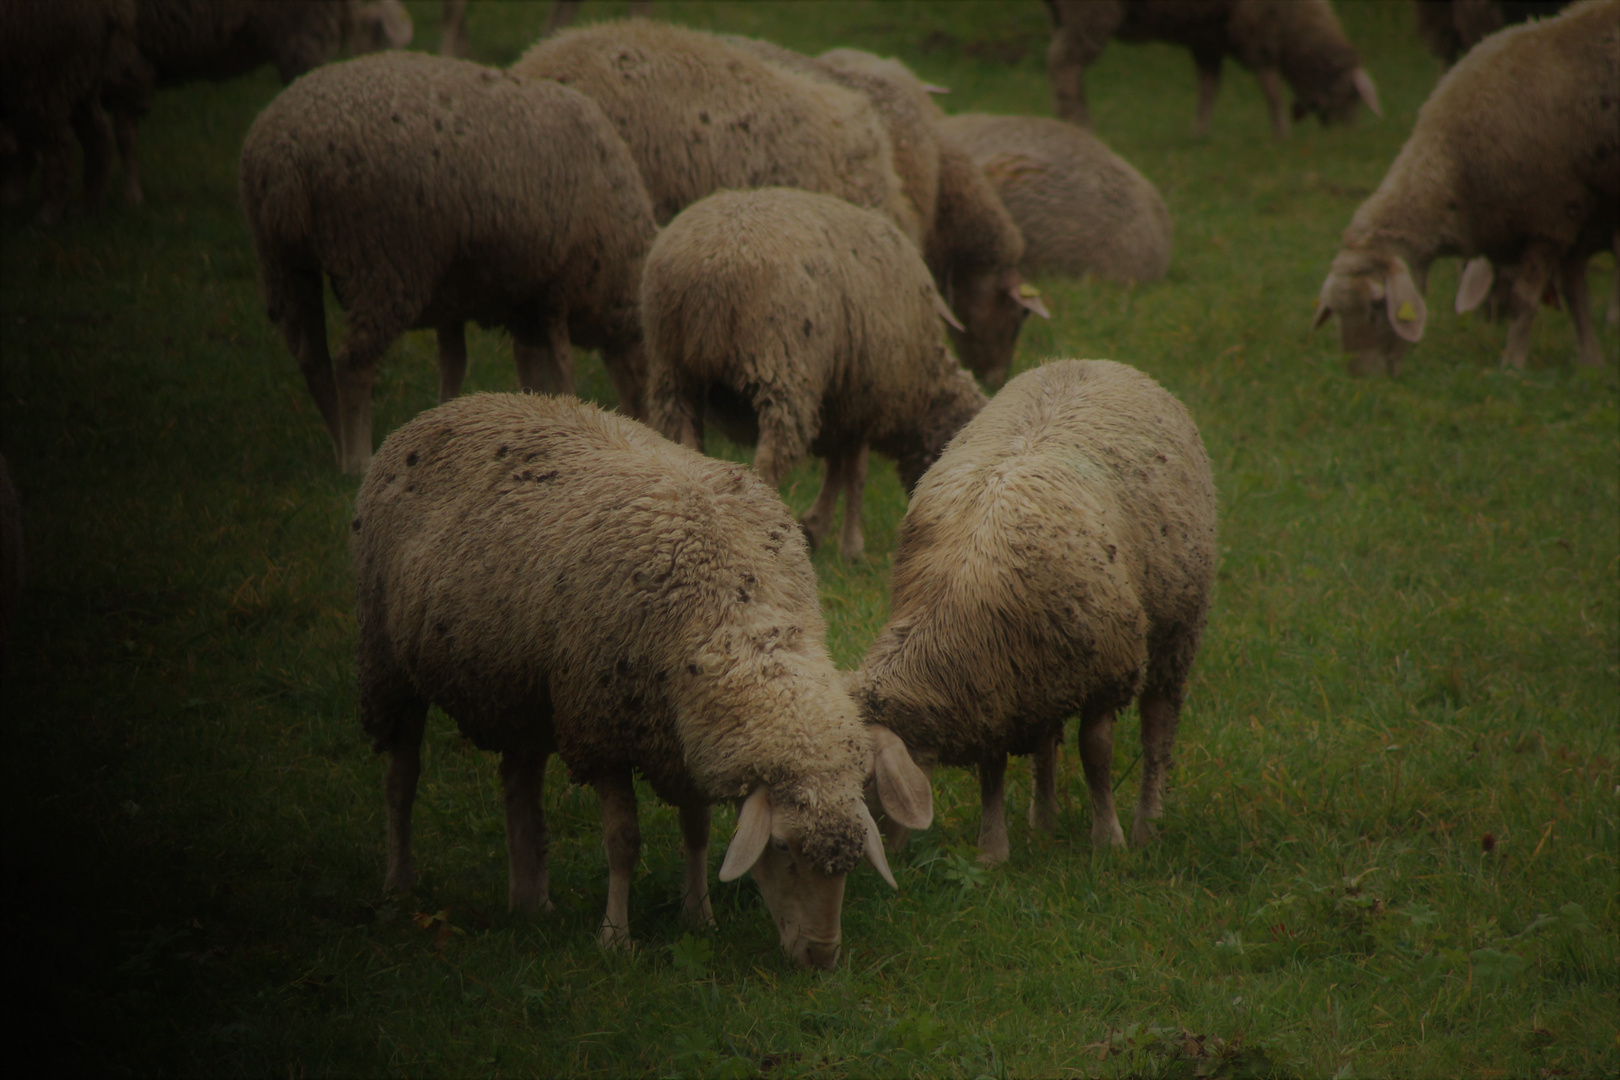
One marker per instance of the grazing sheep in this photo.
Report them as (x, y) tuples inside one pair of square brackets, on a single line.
[(969, 241), (890, 68), (182, 40), (806, 324), (1056, 559), (433, 191), (11, 559), (53, 59), (1451, 27), (1514, 157), (562, 580), (700, 115), (1293, 41), (1081, 207)]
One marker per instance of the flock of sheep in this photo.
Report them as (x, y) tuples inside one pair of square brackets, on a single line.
[(808, 254)]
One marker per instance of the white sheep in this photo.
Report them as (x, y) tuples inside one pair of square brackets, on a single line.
[(1081, 207), (1294, 41), (1057, 559), (562, 580), (971, 244), (807, 325), (432, 191), (1515, 157)]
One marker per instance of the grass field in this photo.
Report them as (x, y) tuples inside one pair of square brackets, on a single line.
[(1391, 837)]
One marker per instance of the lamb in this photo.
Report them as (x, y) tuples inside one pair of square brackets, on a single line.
[(54, 58), (433, 191), (11, 560), (1451, 27), (1297, 41), (1081, 207), (562, 580), (1514, 157), (182, 40), (700, 115), (1057, 559), (806, 324), (969, 241)]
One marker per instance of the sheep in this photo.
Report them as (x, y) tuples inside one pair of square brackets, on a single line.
[(968, 239), (1294, 41), (1510, 290), (182, 40), (807, 324), (1514, 157), (700, 115), (54, 58), (890, 68), (11, 559), (1057, 558), (1451, 27), (1081, 207), (562, 580), (432, 191)]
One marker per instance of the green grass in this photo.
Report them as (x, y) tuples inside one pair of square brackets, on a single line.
[(1414, 646)]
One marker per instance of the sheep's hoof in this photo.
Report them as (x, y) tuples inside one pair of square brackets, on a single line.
[(989, 858), (1042, 816), (614, 937), (1108, 835)]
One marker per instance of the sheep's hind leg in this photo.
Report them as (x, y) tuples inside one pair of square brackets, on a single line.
[(452, 359), (1209, 85), (627, 367), (404, 770), (1271, 86), (851, 544), (303, 324), (356, 371), (1572, 279), (523, 778), (621, 836), (1043, 808), (1159, 716), (817, 521), (1097, 756), (695, 908), (545, 363), (993, 846)]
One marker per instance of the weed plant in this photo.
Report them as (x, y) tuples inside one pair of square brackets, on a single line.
[(1390, 844)]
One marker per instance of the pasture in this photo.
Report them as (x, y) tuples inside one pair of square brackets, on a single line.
[(1391, 834)]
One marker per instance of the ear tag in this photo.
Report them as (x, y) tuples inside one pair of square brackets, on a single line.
[(1406, 312), (1026, 290)]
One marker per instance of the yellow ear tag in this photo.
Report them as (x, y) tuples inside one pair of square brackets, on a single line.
[(1407, 312), (1027, 290)]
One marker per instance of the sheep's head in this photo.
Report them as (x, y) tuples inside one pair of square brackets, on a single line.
[(799, 844), (992, 306), (1337, 99), (1378, 307)]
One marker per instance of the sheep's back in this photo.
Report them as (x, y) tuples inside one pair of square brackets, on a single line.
[(528, 558), (700, 115), (1081, 207), (440, 171)]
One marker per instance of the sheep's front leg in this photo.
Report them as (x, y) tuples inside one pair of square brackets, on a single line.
[(1271, 86), (399, 790), (695, 907), (356, 370), (621, 836), (545, 363), (452, 359), (817, 521), (1530, 279), (1572, 279), (993, 846), (627, 367), (1097, 756), (851, 544), (1159, 716), (1043, 808), (523, 777)]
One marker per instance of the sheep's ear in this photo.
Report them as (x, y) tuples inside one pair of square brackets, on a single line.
[(1368, 92), (946, 313), (385, 24), (1404, 304), (874, 845), (902, 787), (1475, 285), (1323, 311), (1028, 296), (931, 88), (753, 833)]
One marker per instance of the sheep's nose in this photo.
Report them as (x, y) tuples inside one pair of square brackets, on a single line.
[(817, 954)]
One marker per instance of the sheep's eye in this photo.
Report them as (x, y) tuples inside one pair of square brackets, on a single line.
[(779, 844)]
